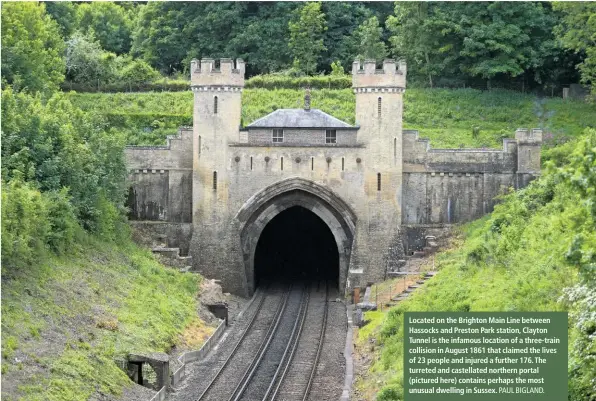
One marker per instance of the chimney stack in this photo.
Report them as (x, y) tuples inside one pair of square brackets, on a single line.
[(307, 100)]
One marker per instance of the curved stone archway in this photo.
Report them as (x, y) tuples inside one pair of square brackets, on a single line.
[(261, 208)]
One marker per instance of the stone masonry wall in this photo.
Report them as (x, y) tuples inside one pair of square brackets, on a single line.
[(377, 188), (301, 137)]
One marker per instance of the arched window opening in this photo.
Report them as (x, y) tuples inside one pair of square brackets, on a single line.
[(199, 144), (251, 162), (378, 181), (394, 148), (312, 163), (342, 163), (215, 180), (282, 163), (215, 105), (379, 107)]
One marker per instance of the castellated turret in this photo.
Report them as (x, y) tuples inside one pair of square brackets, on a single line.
[(391, 77), (528, 151), (228, 75)]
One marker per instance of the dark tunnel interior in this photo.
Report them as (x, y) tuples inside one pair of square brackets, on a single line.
[(296, 245)]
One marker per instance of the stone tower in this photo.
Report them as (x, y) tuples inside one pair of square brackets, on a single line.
[(379, 109), (528, 155), (216, 120), (377, 191)]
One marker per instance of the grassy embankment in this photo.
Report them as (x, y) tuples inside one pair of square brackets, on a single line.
[(535, 252), (65, 318), (445, 116)]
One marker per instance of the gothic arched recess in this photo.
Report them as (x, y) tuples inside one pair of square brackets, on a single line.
[(262, 207)]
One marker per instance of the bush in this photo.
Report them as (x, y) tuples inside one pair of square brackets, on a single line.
[(25, 223), (54, 145), (159, 85), (86, 62), (314, 82), (62, 221), (137, 72)]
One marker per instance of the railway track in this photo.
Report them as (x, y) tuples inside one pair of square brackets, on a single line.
[(256, 382), (275, 357), (295, 375), (234, 363)]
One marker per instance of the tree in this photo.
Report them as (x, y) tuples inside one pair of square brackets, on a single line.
[(343, 19), (496, 38), (370, 43), (32, 48), (86, 61), (417, 37), (577, 32), (65, 14), (161, 35), (263, 41), (53, 145), (169, 34), (108, 22), (306, 37), (486, 40)]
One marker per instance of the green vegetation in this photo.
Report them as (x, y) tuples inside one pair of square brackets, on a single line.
[(447, 117), (65, 319), (535, 252), (76, 292), (306, 37), (576, 31), (531, 45), (31, 48)]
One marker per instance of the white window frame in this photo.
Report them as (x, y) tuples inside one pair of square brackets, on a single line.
[(330, 136), (277, 136)]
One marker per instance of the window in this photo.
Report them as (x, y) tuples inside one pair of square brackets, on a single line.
[(378, 181), (330, 136), (215, 105), (282, 163), (312, 163), (215, 180), (251, 162), (342, 164), (199, 144), (278, 135), (379, 107)]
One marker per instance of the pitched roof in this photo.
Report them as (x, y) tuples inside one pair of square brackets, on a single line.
[(298, 118)]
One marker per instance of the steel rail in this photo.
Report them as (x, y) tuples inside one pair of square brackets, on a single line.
[(294, 340), (242, 337), (248, 374), (320, 347)]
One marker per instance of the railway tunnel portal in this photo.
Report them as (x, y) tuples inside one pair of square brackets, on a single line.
[(218, 188), (296, 229)]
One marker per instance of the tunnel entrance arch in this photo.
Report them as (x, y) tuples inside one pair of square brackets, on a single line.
[(262, 207), (296, 245)]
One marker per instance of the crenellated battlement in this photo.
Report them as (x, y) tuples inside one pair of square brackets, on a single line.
[(526, 136), (206, 74), (366, 75)]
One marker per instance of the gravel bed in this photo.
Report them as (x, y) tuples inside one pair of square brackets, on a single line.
[(200, 374), (263, 374), (329, 379), (296, 379)]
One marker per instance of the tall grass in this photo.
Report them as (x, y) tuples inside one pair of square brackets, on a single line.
[(535, 252), (447, 117)]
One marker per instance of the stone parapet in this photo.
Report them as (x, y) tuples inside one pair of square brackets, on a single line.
[(392, 75), (206, 73)]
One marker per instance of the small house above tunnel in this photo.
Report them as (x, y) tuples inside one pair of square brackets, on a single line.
[(296, 245)]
